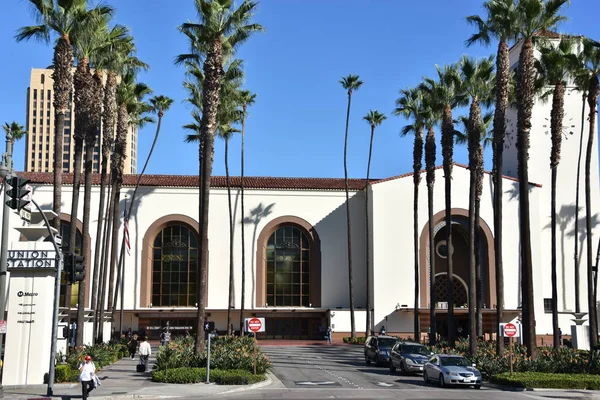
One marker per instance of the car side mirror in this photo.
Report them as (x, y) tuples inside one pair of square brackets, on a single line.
[(474, 365)]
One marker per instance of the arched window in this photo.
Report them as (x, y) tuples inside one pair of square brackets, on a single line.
[(174, 267), (288, 268)]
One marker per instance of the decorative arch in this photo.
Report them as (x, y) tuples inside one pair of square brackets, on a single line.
[(315, 257), (147, 242), (64, 217), (438, 218)]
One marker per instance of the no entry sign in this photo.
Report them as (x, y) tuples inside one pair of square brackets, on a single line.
[(510, 330), (255, 324)]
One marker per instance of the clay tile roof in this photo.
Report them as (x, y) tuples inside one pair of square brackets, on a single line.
[(250, 182)]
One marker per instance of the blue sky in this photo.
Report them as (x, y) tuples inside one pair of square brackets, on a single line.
[(296, 127)]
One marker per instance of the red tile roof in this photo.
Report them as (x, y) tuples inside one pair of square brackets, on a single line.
[(250, 182)]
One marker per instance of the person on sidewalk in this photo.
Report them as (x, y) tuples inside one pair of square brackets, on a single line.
[(145, 351), (132, 344), (87, 370), (328, 335)]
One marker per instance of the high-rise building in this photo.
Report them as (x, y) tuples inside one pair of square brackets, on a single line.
[(39, 150)]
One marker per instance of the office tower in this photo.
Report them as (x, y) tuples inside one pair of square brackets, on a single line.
[(39, 150)]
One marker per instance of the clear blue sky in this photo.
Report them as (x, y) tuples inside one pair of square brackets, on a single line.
[(296, 127)]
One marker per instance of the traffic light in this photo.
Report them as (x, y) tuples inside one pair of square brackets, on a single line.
[(209, 326), (74, 268), (17, 192), (78, 268)]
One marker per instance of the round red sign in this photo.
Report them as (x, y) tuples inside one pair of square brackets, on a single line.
[(255, 325), (510, 330)]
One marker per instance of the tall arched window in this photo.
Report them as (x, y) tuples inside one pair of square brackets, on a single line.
[(288, 268), (174, 267)]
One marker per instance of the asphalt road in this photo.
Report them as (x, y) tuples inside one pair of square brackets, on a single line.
[(325, 372)]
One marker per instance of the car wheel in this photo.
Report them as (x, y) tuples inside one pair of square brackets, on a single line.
[(425, 377), (477, 386), (441, 381), (367, 360), (392, 368), (402, 368), (377, 360)]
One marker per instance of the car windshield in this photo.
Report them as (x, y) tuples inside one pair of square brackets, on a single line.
[(454, 362), (415, 349), (386, 342)]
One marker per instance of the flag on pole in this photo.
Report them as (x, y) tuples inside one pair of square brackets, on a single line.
[(127, 236)]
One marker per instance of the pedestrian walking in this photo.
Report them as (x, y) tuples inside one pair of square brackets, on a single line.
[(145, 351), (132, 344), (87, 370), (328, 335)]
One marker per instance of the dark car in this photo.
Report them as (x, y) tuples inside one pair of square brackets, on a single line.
[(378, 348), (408, 357)]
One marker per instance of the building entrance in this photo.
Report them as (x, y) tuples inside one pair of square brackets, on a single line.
[(291, 328), (152, 327)]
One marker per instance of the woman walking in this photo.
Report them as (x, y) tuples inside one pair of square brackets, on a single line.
[(132, 344), (87, 370)]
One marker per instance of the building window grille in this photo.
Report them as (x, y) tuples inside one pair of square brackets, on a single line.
[(548, 306)]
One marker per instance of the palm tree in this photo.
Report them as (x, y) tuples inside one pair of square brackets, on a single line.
[(477, 76), (430, 118), (446, 95), (350, 83), (247, 98), (114, 58), (553, 67), (591, 55), (374, 119), (220, 29), (410, 106), (535, 16), (61, 19), (15, 130), (500, 23)]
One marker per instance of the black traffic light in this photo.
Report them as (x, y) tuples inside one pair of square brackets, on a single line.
[(209, 326), (17, 192), (74, 268)]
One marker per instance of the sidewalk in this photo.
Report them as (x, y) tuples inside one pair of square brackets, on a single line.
[(121, 381)]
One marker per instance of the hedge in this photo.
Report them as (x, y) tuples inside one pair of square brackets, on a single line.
[(548, 380), (64, 373), (198, 375)]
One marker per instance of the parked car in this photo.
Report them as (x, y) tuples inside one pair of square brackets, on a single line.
[(408, 357), (378, 348), (449, 369)]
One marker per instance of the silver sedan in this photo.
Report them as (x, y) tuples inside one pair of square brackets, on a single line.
[(449, 369)]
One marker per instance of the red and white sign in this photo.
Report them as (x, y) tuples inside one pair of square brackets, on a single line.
[(3, 326), (511, 330), (255, 324)]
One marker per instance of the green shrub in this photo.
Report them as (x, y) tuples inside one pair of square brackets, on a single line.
[(197, 375), (227, 353), (548, 380), (102, 354), (356, 340), (63, 373)]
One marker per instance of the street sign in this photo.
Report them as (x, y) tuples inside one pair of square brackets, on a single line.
[(28, 197), (510, 330), (255, 324), (3, 326), (25, 215)]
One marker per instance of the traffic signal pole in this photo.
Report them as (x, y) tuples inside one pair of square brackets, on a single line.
[(5, 172)]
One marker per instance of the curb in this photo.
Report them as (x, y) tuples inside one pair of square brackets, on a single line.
[(257, 385), (506, 388)]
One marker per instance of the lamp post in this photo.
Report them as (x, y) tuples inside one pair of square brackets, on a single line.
[(5, 172)]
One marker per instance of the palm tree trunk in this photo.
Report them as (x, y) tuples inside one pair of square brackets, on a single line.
[(478, 268), (115, 198), (368, 244), (104, 266), (243, 283), (213, 71), (63, 85), (430, 177), (556, 124), (473, 133), (87, 197), (593, 92), (576, 228), (525, 94), (231, 271), (417, 164), (447, 150), (108, 124), (502, 81), (348, 224)]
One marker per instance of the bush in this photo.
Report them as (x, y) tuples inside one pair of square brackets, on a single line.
[(227, 353), (102, 354), (198, 375), (356, 340), (548, 380), (63, 373)]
